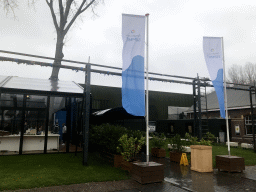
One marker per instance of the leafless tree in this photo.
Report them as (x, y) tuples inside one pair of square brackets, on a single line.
[(9, 6), (242, 74), (64, 15)]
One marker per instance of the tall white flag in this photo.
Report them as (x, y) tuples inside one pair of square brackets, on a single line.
[(133, 91), (213, 55)]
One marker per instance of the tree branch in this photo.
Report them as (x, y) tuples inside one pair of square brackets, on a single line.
[(62, 23), (67, 9), (50, 4), (79, 11), (88, 6)]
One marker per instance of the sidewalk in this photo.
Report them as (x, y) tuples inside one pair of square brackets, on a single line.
[(182, 177), (178, 178)]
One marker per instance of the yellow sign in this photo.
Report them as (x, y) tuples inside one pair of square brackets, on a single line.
[(184, 159)]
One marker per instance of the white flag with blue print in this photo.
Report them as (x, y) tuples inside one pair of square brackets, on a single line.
[(213, 55), (133, 91)]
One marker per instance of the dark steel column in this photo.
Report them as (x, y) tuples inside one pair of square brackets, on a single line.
[(22, 123), (253, 133), (2, 112), (46, 124), (199, 108), (86, 114), (68, 123), (195, 115)]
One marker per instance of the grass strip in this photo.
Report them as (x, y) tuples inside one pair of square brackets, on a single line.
[(220, 149), (42, 170)]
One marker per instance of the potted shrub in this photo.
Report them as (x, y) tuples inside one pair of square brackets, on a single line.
[(210, 137), (177, 148), (104, 139), (157, 144), (138, 134), (129, 147)]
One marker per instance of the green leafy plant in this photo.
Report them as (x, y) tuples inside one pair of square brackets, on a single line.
[(158, 142), (193, 141), (210, 137), (130, 146), (105, 137), (204, 142), (136, 133), (177, 144)]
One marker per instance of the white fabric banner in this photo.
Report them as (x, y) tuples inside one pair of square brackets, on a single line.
[(213, 55), (133, 91)]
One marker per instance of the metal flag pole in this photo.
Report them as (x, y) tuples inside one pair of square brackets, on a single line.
[(225, 97), (147, 113)]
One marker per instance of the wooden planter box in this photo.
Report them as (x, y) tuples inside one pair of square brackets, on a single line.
[(147, 173), (175, 156), (114, 159), (158, 152), (118, 159), (230, 163), (128, 165)]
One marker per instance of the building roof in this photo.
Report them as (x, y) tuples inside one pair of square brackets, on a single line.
[(21, 85), (236, 99)]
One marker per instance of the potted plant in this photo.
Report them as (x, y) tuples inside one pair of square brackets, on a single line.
[(129, 147), (104, 139), (157, 144), (210, 137), (138, 134), (177, 148), (142, 172)]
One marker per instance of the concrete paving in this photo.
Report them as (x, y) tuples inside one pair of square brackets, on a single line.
[(182, 177)]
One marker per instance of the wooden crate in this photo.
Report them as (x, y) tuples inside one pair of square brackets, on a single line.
[(230, 163), (147, 173), (158, 152)]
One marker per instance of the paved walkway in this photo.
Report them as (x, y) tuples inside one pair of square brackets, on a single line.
[(181, 178), (178, 178)]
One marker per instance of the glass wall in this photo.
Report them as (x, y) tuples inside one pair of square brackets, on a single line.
[(11, 123), (57, 116), (27, 125)]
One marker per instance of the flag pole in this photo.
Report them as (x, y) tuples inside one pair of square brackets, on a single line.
[(147, 113), (225, 97)]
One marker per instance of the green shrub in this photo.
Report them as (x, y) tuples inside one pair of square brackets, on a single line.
[(158, 142), (210, 137), (194, 140), (136, 133), (204, 142), (105, 137), (177, 144), (191, 140), (129, 146)]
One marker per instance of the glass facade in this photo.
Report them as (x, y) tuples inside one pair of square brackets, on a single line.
[(28, 118)]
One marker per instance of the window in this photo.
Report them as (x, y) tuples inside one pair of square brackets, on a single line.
[(248, 124)]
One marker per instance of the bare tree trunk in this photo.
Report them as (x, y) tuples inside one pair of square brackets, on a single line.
[(58, 55)]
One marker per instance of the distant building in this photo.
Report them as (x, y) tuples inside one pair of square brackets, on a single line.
[(111, 97), (239, 112), (175, 113)]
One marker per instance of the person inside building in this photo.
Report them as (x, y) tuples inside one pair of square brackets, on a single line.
[(40, 130), (64, 133), (56, 128)]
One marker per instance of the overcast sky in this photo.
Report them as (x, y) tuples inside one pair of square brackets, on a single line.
[(176, 30)]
